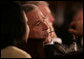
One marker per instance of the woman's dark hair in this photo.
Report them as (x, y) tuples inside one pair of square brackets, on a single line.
[(13, 25)]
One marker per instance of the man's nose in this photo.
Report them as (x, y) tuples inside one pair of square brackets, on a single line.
[(51, 18), (45, 27)]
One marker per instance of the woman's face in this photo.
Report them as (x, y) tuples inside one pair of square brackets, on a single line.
[(27, 27)]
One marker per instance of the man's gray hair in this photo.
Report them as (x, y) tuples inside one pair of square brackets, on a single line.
[(28, 7)]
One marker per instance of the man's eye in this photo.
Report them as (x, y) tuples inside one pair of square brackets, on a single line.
[(44, 18), (38, 23)]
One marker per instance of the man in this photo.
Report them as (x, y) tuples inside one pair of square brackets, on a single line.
[(44, 8), (38, 30), (35, 34)]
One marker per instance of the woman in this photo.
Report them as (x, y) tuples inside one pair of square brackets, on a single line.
[(14, 30)]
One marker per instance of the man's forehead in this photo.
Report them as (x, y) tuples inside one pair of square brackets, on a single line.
[(37, 15)]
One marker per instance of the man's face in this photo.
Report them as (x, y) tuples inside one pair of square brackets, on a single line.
[(76, 26), (37, 24)]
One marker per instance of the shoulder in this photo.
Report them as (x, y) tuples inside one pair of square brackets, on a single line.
[(14, 52)]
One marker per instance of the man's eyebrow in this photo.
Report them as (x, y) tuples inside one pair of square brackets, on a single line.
[(38, 21)]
